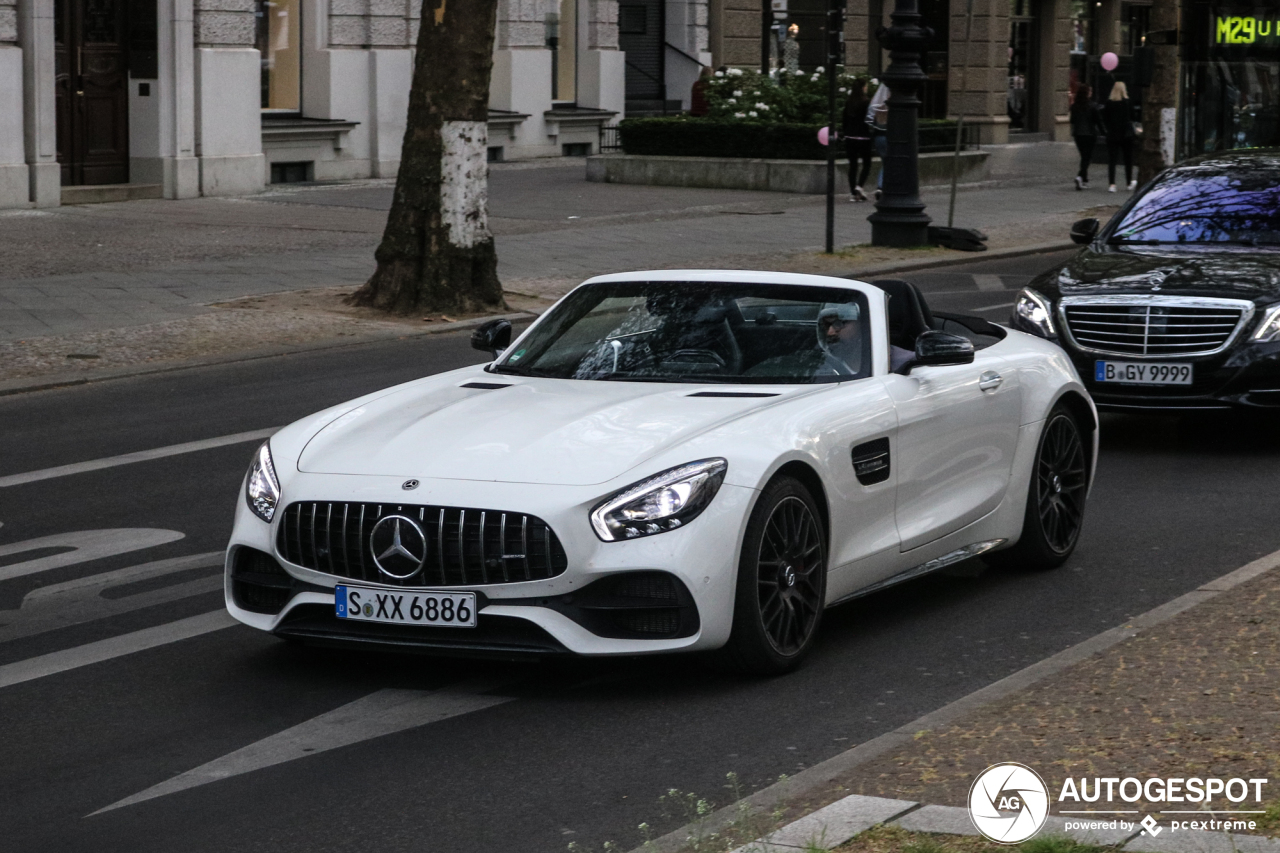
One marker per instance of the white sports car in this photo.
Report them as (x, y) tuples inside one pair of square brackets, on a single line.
[(667, 461)]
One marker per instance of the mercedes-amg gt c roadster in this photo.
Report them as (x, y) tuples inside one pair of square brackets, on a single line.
[(667, 461)]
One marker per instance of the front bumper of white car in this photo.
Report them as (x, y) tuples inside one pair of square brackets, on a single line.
[(667, 592)]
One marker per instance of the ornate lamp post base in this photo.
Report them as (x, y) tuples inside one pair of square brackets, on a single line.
[(900, 219)]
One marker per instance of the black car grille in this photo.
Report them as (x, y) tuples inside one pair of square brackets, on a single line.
[(464, 547), (1146, 329)]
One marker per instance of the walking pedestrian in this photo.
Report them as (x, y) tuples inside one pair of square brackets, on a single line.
[(878, 121), (857, 139), (1118, 116), (1085, 124)]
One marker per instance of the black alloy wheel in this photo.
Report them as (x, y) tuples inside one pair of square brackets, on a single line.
[(782, 581), (1055, 499), (1062, 479)]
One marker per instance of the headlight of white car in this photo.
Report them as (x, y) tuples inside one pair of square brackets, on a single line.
[(1269, 328), (1033, 309), (662, 502), (263, 489)]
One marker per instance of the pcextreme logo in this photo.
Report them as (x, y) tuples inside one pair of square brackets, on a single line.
[(1008, 803)]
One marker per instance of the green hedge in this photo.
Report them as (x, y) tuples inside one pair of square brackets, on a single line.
[(680, 136)]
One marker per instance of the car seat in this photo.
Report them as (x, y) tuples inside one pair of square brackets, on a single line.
[(909, 316)]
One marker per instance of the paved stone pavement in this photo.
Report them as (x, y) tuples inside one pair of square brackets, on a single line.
[(91, 267)]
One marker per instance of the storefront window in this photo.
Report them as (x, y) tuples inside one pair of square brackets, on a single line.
[(278, 40), (1230, 78), (1135, 23), (1022, 61), (1082, 27)]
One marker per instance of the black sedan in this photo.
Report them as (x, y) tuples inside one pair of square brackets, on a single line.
[(1175, 303)]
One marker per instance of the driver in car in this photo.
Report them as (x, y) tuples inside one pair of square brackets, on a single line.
[(840, 336)]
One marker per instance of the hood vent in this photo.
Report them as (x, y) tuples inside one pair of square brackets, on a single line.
[(486, 386), (734, 394)]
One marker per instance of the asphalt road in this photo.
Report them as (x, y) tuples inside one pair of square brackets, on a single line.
[(466, 756)]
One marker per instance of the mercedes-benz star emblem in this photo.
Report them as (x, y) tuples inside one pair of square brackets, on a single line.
[(409, 485), (399, 546)]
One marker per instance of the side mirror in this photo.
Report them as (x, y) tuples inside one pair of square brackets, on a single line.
[(1084, 231), (934, 348), (493, 337)]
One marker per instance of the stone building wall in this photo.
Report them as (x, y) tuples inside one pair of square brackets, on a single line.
[(8, 21), (602, 24), (224, 23)]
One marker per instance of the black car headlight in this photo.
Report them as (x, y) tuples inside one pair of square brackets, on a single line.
[(660, 503), (1269, 329), (262, 491), (1034, 312)]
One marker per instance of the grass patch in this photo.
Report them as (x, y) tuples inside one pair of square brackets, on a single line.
[(892, 839), (1269, 823)]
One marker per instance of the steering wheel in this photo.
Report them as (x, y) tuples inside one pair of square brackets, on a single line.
[(692, 359)]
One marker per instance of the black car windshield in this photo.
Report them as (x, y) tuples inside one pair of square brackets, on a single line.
[(1207, 206), (700, 332)]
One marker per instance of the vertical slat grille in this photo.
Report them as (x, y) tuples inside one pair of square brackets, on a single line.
[(1152, 329), (465, 547)]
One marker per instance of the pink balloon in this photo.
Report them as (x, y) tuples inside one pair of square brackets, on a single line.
[(1110, 61), (824, 136)]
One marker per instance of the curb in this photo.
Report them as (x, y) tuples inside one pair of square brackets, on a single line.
[(977, 257), (822, 774), (845, 819), (66, 380)]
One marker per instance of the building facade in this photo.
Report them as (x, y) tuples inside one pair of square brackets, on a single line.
[(222, 97), (1010, 67)]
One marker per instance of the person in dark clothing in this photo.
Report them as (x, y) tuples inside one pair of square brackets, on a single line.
[(1118, 116), (698, 105), (1085, 124), (857, 139)]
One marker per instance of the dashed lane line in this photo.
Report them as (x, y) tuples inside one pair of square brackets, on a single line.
[(104, 650), (382, 713), (130, 458), (987, 282)]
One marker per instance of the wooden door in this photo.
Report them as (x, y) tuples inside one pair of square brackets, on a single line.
[(92, 78)]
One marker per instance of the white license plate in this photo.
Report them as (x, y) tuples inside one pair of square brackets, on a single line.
[(1139, 373), (407, 607)]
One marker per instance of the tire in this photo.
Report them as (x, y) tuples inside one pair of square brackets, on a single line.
[(782, 582), (1055, 498)]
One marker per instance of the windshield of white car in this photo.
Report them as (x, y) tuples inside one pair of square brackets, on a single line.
[(1232, 207), (699, 332)]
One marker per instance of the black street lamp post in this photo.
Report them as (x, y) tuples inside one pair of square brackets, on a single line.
[(900, 219)]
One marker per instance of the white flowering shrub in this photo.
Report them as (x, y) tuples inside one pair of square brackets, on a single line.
[(782, 98)]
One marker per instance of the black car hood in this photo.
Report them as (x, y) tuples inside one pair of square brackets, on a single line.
[(1236, 272)]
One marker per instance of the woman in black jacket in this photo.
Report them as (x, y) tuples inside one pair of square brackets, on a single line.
[(1085, 123), (1118, 116), (857, 139)]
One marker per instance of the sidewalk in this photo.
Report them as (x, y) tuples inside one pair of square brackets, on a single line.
[(1189, 689), (98, 286)]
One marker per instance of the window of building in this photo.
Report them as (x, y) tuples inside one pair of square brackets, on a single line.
[(1135, 23), (279, 41), (562, 39)]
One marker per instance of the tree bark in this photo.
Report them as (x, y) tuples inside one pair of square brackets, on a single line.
[(437, 252), (1160, 101)]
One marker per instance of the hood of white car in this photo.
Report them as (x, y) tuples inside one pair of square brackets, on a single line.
[(556, 432)]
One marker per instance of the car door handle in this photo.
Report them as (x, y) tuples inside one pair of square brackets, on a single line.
[(989, 380)]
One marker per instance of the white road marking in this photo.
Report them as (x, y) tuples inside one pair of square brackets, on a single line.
[(130, 458), (75, 602), (103, 650), (382, 713), (988, 282), (88, 545)]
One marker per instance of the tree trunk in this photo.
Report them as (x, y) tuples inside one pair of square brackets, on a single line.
[(437, 252), (1160, 101)]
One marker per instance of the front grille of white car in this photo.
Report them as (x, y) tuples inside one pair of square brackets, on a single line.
[(464, 547), (1154, 325)]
